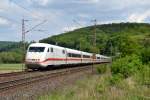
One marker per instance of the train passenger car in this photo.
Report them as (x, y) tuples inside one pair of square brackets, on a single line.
[(42, 55)]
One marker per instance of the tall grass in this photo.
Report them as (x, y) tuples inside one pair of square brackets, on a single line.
[(104, 86)]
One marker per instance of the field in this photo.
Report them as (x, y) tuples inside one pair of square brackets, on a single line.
[(102, 87), (10, 67)]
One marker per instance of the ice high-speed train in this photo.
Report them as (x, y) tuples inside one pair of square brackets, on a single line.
[(42, 55)]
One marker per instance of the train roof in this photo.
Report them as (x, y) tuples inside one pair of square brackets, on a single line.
[(45, 45), (39, 44), (86, 53), (54, 46)]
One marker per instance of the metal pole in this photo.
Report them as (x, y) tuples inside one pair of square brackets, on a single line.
[(94, 43), (23, 44)]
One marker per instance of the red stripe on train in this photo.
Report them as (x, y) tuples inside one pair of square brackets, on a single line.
[(64, 59)]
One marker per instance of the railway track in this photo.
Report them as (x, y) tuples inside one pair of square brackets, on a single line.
[(12, 74), (4, 86)]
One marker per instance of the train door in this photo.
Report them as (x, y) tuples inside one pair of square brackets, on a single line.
[(50, 56), (60, 56), (66, 55)]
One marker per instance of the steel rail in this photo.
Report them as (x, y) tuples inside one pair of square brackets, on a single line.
[(13, 74), (30, 80)]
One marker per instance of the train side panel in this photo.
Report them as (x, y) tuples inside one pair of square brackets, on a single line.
[(73, 56), (43, 55)]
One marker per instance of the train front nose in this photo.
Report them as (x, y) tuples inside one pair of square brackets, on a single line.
[(34, 56), (33, 61)]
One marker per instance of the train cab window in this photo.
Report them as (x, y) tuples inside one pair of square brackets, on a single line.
[(52, 50), (36, 49), (63, 51)]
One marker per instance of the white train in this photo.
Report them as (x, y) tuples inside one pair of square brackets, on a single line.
[(42, 55)]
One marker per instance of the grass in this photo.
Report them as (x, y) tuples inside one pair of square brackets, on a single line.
[(100, 87), (10, 67)]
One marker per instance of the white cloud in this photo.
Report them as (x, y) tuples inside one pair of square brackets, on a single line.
[(67, 29), (40, 2), (91, 1), (139, 17), (111, 21), (83, 15), (86, 1), (4, 4), (4, 22)]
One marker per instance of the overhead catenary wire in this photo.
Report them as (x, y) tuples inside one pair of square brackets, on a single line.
[(34, 14), (27, 10), (35, 26)]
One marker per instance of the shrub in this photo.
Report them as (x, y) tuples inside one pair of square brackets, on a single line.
[(126, 66), (145, 55), (10, 57), (143, 75), (0, 59), (102, 69), (100, 88), (115, 79)]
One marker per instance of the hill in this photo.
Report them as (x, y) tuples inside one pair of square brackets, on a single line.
[(8, 46), (110, 38)]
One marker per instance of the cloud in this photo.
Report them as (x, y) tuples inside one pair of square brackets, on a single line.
[(111, 21), (40, 2), (85, 1), (70, 28), (60, 13), (4, 22), (83, 15), (139, 17)]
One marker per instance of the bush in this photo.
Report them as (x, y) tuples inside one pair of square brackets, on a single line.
[(115, 79), (126, 66), (100, 88), (0, 60), (11, 57), (102, 69), (145, 55), (143, 75)]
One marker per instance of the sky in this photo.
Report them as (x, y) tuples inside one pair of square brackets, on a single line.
[(59, 16)]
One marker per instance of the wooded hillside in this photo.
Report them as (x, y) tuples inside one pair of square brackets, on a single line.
[(112, 39)]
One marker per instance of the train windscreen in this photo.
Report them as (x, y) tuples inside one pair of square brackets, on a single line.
[(36, 49)]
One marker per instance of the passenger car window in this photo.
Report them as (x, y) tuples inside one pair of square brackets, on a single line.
[(51, 49), (63, 51)]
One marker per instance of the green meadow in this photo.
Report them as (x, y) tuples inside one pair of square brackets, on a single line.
[(10, 67)]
